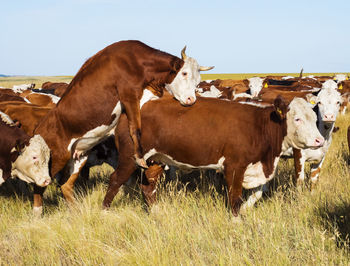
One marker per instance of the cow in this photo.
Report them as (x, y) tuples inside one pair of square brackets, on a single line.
[(42, 99), (23, 156), (4, 97), (200, 136), (26, 114), (327, 104), (55, 88), (109, 83)]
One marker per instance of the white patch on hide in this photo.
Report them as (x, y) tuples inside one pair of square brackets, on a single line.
[(168, 160), (5, 118), (1, 177)]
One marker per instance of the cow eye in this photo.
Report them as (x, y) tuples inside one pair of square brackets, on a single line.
[(338, 102), (297, 119), (184, 73), (34, 158)]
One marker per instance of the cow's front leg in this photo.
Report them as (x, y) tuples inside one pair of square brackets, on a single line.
[(234, 179), (315, 173), (299, 167), (74, 168), (132, 109), (38, 200)]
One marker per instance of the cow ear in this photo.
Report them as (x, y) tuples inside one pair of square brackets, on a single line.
[(311, 99), (19, 146), (265, 84), (176, 64), (281, 107), (340, 85), (246, 82)]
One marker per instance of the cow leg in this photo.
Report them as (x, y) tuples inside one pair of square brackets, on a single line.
[(299, 167), (38, 200), (234, 178), (314, 173), (253, 198), (149, 190), (132, 109), (74, 169), (119, 177)]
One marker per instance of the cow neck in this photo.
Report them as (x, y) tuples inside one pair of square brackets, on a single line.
[(274, 133)]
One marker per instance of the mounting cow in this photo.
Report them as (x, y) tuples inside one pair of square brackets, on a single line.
[(110, 82)]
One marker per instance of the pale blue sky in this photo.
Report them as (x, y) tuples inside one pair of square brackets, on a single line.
[(50, 37)]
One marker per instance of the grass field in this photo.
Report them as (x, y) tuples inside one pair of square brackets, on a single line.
[(190, 225)]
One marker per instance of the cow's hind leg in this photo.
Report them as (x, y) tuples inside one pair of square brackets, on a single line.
[(74, 168), (119, 177)]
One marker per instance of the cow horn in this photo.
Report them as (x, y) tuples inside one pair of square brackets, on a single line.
[(204, 68), (301, 73), (183, 54)]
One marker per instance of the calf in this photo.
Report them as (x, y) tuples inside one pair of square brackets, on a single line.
[(200, 136), (22, 156)]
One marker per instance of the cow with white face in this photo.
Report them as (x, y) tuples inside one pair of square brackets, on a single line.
[(255, 86), (330, 84), (327, 104), (183, 87), (340, 77), (22, 156)]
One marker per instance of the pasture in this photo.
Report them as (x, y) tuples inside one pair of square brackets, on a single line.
[(190, 224)]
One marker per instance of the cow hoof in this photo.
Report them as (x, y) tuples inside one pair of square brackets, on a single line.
[(37, 211), (141, 162)]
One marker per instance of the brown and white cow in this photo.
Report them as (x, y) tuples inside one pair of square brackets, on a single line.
[(110, 82), (55, 88), (22, 156), (200, 136)]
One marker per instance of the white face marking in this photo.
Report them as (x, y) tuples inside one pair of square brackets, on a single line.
[(21, 88), (33, 164), (301, 126), (340, 77), (212, 93), (1, 177), (330, 84), (5, 118), (255, 85), (94, 136), (147, 96), (329, 102), (168, 160), (183, 87)]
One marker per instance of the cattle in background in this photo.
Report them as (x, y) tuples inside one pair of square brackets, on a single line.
[(4, 97), (22, 156), (200, 137), (327, 104), (112, 81), (55, 88), (349, 138), (231, 88)]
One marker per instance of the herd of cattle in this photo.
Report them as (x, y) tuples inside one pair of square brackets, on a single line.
[(238, 127)]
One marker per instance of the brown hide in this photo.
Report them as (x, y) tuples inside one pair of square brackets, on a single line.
[(28, 115), (57, 88), (4, 97), (202, 135), (41, 100), (119, 72), (11, 136)]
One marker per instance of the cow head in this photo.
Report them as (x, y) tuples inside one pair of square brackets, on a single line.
[(255, 85), (32, 163), (183, 87), (328, 102), (302, 131), (330, 84)]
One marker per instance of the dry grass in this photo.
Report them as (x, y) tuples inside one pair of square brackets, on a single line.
[(189, 225)]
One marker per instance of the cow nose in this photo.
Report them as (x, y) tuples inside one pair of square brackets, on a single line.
[(190, 100), (329, 117), (46, 182), (319, 142)]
